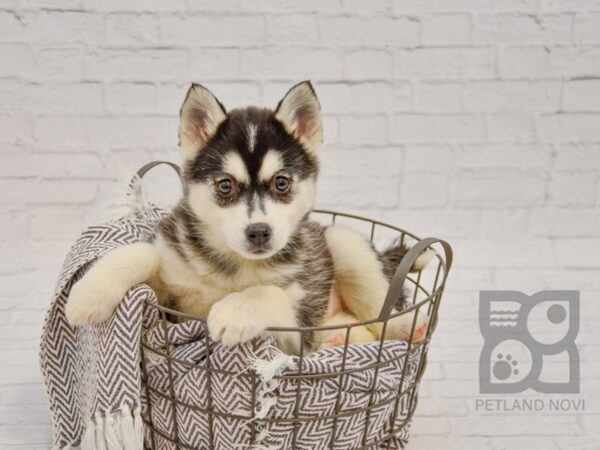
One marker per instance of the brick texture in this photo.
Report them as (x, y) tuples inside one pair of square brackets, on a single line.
[(473, 120)]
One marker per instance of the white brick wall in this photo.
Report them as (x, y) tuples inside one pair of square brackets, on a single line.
[(473, 120)]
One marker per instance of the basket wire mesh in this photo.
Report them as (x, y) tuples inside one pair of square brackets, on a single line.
[(426, 288)]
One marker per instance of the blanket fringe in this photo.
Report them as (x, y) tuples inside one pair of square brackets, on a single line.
[(121, 430), (267, 369), (266, 398), (133, 203)]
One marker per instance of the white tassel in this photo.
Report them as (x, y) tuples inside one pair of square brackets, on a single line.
[(122, 430), (133, 203), (131, 432), (138, 429), (265, 406), (258, 445), (89, 435), (100, 440), (262, 435), (112, 433), (152, 359), (267, 369)]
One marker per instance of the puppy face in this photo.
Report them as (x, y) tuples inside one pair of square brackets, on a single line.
[(250, 173)]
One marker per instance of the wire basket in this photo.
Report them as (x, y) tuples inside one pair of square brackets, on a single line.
[(425, 290)]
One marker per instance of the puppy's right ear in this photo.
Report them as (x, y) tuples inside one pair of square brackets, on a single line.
[(200, 116), (300, 113)]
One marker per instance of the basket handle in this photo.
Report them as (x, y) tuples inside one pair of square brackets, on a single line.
[(397, 283), (147, 167)]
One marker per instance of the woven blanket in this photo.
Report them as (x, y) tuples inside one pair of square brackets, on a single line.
[(103, 397)]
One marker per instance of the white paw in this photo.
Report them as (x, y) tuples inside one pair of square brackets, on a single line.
[(401, 326), (92, 301), (234, 320)]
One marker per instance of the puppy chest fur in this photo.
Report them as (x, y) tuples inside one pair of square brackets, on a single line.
[(193, 274)]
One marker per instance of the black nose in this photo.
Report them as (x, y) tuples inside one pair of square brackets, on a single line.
[(258, 233)]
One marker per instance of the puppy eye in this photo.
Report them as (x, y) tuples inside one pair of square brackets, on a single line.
[(282, 183), (225, 186)]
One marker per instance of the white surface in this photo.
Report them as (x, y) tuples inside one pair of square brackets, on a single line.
[(473, 120)]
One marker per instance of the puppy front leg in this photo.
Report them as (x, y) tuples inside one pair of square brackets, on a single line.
[(241, 316), (94, 298)]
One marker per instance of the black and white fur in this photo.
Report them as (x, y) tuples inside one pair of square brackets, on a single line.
[(239, 249)]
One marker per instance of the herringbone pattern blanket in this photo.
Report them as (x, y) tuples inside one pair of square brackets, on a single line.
[(100, 400)]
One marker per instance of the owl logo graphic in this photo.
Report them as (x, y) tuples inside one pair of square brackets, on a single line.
[(529, 342)]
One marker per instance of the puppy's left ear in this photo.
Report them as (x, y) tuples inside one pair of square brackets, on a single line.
[(200, 116), (299, 111)]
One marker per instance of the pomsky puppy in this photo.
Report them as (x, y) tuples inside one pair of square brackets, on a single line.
[(239, 249)]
